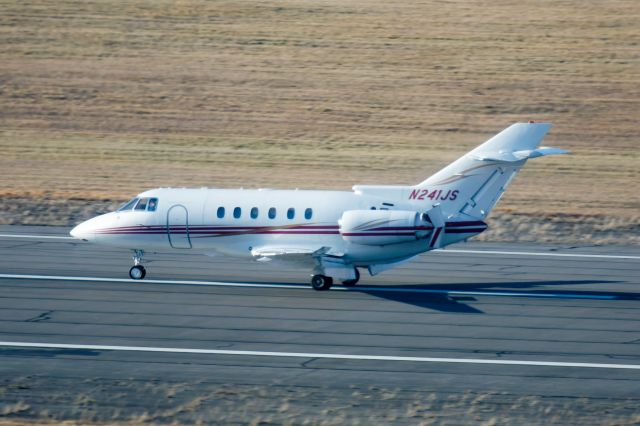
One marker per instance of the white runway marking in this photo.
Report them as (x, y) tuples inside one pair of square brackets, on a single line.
[(319, 355), (38, 237), (508, 253), (528, 253), (305, 287)]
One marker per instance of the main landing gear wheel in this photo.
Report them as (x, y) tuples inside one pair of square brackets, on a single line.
[(351, 283), (137, 272), (321, 282)]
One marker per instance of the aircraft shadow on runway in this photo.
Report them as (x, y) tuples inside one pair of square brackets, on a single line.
[(437, 302), (447, 302)]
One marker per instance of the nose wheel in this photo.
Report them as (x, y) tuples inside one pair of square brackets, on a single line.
[(137, 271)]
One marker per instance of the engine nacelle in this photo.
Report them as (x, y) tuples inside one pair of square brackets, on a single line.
[(383, 227)]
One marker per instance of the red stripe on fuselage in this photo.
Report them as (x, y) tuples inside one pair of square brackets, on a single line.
[(466, 223), (436, 234), (211, 228), (401, 228), (221, 233), (465, 231), (378, 234)]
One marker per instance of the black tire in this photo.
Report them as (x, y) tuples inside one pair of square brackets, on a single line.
[(351, 283), (321, 282), (137, 272)]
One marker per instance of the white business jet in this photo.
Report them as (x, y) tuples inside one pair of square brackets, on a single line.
[(332, 232)]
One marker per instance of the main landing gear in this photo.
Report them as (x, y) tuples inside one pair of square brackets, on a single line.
[(351, 283), (137, 271), (322, 282)]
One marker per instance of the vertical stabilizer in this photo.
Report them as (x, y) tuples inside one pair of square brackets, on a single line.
[(474, 183)]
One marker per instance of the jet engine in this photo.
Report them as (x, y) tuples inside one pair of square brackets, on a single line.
[(383, 227)]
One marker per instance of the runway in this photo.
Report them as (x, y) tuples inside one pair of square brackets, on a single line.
[(515, 320)]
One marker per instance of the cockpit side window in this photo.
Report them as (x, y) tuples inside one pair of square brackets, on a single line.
[(128, 205), (142, 204), (153, 205)]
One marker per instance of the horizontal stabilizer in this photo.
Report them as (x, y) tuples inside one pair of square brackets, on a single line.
[(514, 156)]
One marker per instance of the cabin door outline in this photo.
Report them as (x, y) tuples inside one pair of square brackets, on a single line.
[(178, 227)]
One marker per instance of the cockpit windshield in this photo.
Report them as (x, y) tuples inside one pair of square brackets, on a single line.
[(140, 204), (128, 205)]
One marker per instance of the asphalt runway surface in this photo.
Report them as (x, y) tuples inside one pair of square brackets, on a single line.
[(508, 320)]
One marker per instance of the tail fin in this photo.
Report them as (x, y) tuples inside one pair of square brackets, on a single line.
[(473, 184)]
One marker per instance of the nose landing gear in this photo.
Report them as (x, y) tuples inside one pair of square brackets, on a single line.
[(137, 271)]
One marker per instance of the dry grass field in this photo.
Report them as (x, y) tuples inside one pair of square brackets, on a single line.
[(31, 401), (102, 99)]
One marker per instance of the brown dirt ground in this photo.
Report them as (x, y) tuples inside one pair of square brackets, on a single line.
[(100, 100)]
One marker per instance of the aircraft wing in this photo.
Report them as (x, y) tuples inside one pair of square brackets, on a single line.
[(323, 260), (283, 252), (294, 254)]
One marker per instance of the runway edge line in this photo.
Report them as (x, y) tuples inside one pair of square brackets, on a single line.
[(318, 355)]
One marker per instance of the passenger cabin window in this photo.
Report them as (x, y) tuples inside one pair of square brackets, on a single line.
[(220, 212), (308, 213), (254, 212), (237, 212), (142, 204), (128, 205), (272, 213), (291, 213)]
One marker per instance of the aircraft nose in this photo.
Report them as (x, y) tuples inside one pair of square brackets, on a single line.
[(84, 231)]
